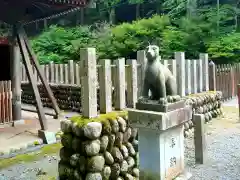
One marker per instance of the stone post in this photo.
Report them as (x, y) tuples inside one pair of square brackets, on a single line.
[(132, 87), (89, 82), (188, 77), (200, 139), (71, 72), (120, 84), (180, 60), (212, 76), (173, 68), (141, 60), (56, 66), (61, 73), (204, 58), (105, 85), (200, 75), (51, 67), (194, 76), (77, 74)]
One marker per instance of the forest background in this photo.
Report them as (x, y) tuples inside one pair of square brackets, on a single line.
[(120, 28)]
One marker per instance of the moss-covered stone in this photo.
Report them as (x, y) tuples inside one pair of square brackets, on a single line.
[(103, 118)]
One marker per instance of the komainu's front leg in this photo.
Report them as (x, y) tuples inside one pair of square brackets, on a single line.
[(162, 86), (144, 97)]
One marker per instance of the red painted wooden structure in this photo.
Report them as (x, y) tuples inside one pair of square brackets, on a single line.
[(18, 13)]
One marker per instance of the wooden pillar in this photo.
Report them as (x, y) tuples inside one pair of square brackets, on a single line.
[(32, 80), (15, 78)]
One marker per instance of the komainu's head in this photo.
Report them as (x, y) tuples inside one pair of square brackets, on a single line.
[(152, 53)]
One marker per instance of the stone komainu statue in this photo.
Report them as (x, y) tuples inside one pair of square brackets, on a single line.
[(158, 78)]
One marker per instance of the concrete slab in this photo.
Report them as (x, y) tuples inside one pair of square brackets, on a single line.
[(24, 133)]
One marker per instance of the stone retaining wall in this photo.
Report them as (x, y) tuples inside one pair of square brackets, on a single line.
[(68, 96), (208, 103), (105, 148)]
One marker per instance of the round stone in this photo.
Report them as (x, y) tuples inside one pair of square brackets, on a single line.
[(117, 155), (95, 164), (108, 158), (106, 172), (104, 143), (124, 167), (93, 176), (92, 148), (122, 124), (93, 130)]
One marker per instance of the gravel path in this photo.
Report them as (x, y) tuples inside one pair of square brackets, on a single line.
[(223, 142)]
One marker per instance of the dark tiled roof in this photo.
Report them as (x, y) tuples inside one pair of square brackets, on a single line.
[(24, 11)]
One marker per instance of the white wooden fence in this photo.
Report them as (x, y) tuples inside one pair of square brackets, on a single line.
[(191, 74)]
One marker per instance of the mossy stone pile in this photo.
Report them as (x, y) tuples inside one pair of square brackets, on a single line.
[(207, 103), (68, 96), (100, 148)]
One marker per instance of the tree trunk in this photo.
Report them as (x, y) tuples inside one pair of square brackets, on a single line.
[(138, 6), (82, 16), (158, 7), (45, 23), (112, 16)]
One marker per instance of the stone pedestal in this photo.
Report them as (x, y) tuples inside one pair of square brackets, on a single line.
[(161, 141)]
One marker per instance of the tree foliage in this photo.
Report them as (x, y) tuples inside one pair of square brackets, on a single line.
[(190, 26)]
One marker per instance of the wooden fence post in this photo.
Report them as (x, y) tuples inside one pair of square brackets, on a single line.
[(105, 85), (132, 83), (141, 60), (204, 58), (180, 60), (233, 80), (199, 139), (89, 84), (120, 85), (238, 94), (212, 76)]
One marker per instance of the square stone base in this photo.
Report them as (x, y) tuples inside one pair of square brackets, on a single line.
[(162, 153), (150, 106), (47, 137)]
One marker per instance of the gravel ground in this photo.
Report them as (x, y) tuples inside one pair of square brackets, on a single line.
[(223, 148), (223, 142)]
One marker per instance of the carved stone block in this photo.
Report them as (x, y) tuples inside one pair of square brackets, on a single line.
[(161, 140)]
